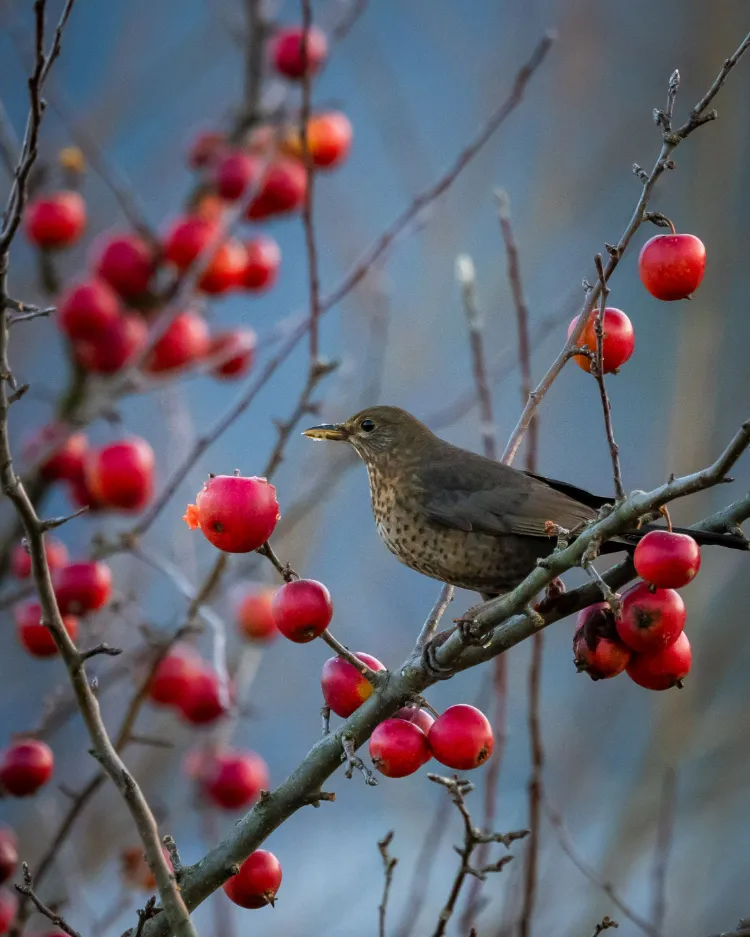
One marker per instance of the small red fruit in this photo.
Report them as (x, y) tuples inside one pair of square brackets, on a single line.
[(234, 779), (225, 269), (398, 748), (187, 238), (234, 173), (88, 309), (671, 266), (344, 687), (461, 737), (126, 263), (254, 617), (257, 882), (114, 347), (618, 341), (235, 351), (55, 220), (205, 148), (302, 610), (202, 700), (58, 457), (36, 637), (173, 675), (25, 766), (596, 648), (667, 559), (236, 514), (293, 57), (8, 855), (56, 553), (662, 669), (282, 190), (650, 620), (184, 340), (82, 587), (329, 140), (262, 259), (8, 908), (420, 717), (81, 495), (121, 475)]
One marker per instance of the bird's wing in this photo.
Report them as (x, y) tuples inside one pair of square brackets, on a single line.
[(469, 492)]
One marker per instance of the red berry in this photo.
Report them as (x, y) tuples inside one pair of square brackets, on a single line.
[(126, 263), (254, 618), (55, 220), (25, 766), (596, 648), (398, 748), (618, 342), (115, 346), (58, 457), (234, 779), (8, 856), (662, 669), (329, 140), (236, 514), (650, 620), (671, 266), (56, 553), (202, 699), (187, 239), (344, 687), (289, 48), (234, 173), (262, 259), (282, 190), (8, 908), (257, 882), (82, 587), (205, 148), (667, 559), (36, 637), (235, 351), (184, 340), (88, 309), (173, 674), (225, 269), (121, 475), (420, 717), (461, 737), (302, 610), (81, 495)]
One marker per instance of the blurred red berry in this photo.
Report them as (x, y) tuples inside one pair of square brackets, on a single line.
[(254, 617), (20, 562), (82, 587), (205, 148), (121, 475), (202, 700), (262, 259), (257, 882), (671, 266), (25, 766), (329, 140), (8, 857), (81, 496), (233, 779), (172, 676), (114, 347), (235, 351), (225, 269), (188, 238), (292, 56), (8, 908), (58, 457), (617, 344), (36, 637), (234, 173), (184, 340), (88, 309), (344, 687), (597, 650), (461, 738), (236, 514), (650, 620), (666, 559), (57, 220), (282, 190), (302, 610), (420, 717), (662, 669), (125, 262), (398, 748)]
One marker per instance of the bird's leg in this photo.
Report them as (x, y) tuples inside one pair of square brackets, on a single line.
[(430, 663), (466, 624)]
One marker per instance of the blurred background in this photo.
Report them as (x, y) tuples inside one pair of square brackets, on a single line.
[(417, 80)]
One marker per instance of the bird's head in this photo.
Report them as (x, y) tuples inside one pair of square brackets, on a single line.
[(374, 432)]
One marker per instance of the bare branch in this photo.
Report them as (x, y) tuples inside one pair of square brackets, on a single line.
[(389, 864), (27, 890)]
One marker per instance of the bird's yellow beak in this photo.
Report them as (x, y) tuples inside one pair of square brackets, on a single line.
[(334, 431)]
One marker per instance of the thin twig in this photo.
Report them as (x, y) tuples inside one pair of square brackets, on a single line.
[(27, 890), (354, 761), (597, 369), (433, 619), (664, 837), (605, 924), (389, 864)]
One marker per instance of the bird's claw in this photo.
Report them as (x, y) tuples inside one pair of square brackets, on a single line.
[(430, 663), (467, 629)]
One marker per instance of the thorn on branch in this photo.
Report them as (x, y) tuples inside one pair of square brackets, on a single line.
[(18, 393), (315, 799), (103, 648), (354, 761), (53, 522)]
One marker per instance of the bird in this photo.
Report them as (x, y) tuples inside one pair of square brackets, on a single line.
[(460, 517)]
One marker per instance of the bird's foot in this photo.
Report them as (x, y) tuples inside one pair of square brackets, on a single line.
[(554, 590), (467, 627), (430, 663)]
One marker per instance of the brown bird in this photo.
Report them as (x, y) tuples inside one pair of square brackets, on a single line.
[(460, 517)]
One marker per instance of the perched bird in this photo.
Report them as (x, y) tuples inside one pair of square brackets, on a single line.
[(460, 517)]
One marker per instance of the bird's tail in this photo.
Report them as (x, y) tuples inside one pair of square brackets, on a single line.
[(704, 538)]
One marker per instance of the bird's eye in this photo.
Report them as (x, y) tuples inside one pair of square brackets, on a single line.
[(367, 425)]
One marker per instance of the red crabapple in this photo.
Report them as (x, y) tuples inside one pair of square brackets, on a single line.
[(233, 779), (82, 587), (257, 882), (236, 514), (254, 616), (398, 748), (667, 559), (183, 341), (126, 262), (617, 344), (54, 221), (235, 351), (293, 57), (20, 562), (302, 610), (36, 637), (25, 766), (461, 738), (649, 621), (662, 669), (671, 266), (262, 259), (344, 687), (87, 309), (597, 649), (121, 474)]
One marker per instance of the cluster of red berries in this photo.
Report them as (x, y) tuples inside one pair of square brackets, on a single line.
[(671, 267), (183, 681), (646, 638)]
